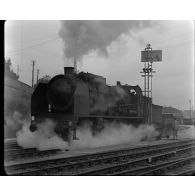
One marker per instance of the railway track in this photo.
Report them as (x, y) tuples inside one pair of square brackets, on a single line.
[(172, 166), (182, 166), (13, 152), (11, 144), (189, 171), (145, 165), (23, 154), (110, 162)]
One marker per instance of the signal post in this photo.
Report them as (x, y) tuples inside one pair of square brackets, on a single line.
[(148, 56)]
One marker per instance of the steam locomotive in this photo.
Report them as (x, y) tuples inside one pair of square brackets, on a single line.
[(74, 98)]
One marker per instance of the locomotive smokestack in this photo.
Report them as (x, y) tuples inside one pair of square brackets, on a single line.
[(68, 70), (118, 83)]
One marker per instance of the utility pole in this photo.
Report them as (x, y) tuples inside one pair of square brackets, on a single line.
[(37, 75), (33, 68)]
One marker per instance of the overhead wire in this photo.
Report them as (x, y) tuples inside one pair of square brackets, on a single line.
[(13, 42), (33, 46)]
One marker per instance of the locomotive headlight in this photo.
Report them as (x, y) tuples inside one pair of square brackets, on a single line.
[(49, 108), (70, 123), (32, 118)]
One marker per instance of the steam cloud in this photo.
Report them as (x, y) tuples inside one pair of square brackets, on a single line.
[(82, 37), (113, 133), (103, 101), (43, 139), (16, 112)]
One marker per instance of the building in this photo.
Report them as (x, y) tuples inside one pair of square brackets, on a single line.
[(176, 113)]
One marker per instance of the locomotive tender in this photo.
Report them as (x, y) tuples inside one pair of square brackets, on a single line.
[(72, 99)]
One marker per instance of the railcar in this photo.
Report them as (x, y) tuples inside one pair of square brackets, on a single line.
[(163, 122)]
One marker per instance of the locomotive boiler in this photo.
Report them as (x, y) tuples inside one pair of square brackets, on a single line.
[(74, 98)]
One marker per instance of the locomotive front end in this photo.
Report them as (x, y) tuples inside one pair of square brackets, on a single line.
[(55, 101), (60, 91)]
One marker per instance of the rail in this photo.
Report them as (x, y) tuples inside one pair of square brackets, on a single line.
[(91, 163)]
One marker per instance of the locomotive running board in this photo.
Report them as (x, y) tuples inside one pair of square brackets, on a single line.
[(109, 117)]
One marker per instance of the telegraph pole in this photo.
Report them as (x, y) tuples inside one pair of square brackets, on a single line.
[(33, 69), (37, 75)]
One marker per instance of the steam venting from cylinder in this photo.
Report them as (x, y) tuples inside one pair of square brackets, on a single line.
[(60, 91)]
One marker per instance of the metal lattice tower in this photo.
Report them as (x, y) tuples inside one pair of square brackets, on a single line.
[(148, 74)]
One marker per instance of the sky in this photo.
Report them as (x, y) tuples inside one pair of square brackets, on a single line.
[(112, 50)]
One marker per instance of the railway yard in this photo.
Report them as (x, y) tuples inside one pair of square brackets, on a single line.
[(116, 123), (93, 96), (162, 157)]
